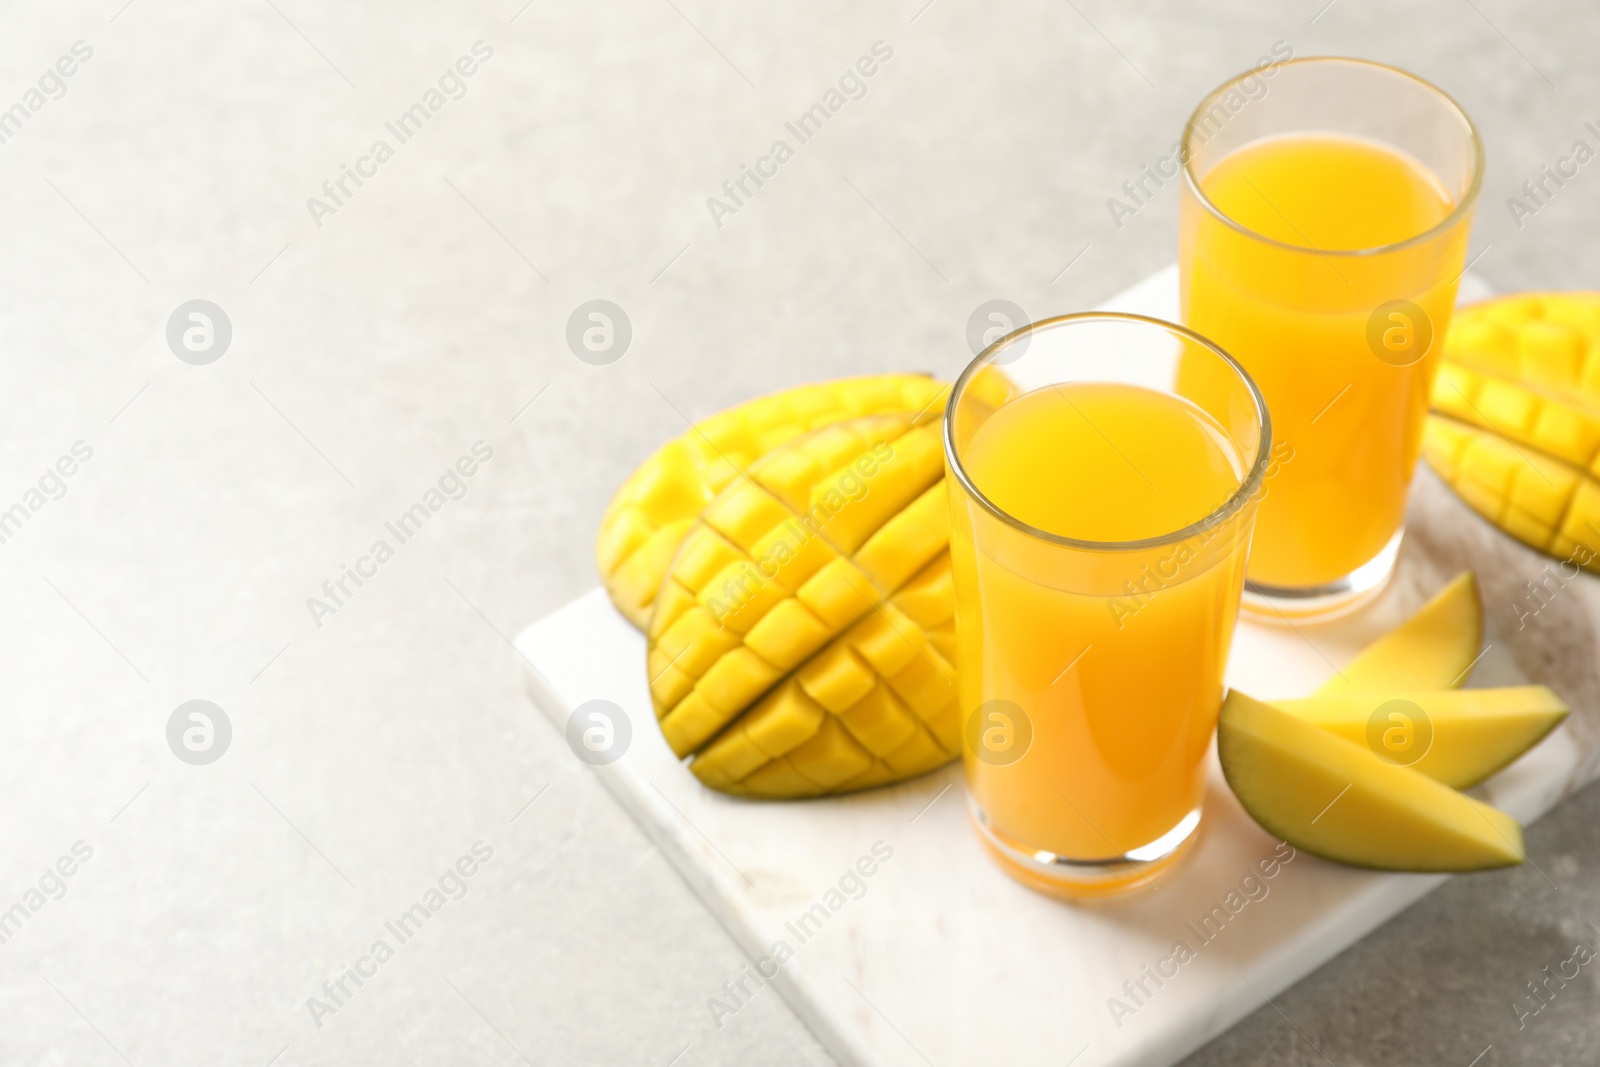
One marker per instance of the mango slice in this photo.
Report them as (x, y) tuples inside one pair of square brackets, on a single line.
[(1335, 799), (1516, 429), (1433, 649), (802, 640), (1455, 736), (647, 518)]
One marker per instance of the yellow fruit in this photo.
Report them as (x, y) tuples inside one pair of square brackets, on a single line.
[(802, 641), (1516, 429), (651, 511), (1433, 649), (1334, 798), (1455, 736)]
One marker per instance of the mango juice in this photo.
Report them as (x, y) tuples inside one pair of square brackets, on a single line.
[(1340, 329), (1091, 677)]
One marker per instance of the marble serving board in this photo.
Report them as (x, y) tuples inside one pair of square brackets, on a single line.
[(881, 921)]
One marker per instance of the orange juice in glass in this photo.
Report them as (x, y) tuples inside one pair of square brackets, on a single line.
[(1102, 497), (1323, 230)]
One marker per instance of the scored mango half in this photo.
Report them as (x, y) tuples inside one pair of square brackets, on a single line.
[(649, 514), (1516, 423), (803, 640)]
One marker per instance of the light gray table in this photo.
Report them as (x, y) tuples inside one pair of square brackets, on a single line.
[(377, 337)]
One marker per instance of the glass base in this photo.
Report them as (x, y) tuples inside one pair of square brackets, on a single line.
[(1279, 604), (1068, 879)]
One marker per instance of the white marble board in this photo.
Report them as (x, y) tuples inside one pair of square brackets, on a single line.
[(937, 957)]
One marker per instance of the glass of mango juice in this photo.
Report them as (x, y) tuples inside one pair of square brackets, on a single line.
[(1103, 474), (1323, 225)]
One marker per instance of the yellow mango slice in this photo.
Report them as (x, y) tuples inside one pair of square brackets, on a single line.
[(1334, 798), (1455, 736), (653, 508), (1433, 649)]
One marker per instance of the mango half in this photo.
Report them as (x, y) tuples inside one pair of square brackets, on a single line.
[(803, 640), (1516, 424), (651, 511)]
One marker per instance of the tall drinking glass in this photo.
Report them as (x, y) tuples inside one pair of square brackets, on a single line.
[(1323, 226), (1102, 495)]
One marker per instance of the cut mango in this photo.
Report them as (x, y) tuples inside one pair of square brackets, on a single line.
[(1516, 424), (652, 510), (1455, 736), (1433, 649), (799, 642), (1335, 799)]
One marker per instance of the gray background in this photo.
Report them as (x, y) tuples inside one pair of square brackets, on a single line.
[(372, 351)]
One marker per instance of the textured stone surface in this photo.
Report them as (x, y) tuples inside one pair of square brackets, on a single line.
[(369, 352)]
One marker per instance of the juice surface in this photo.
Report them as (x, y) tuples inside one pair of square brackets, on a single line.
[(1103, 461), (1120, 684), (1300, 321), (1326, 192)]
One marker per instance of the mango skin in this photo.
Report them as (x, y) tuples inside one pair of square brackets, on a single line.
[(1335, 799)]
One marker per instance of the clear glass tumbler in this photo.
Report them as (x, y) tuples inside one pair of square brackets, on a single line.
[(1324, 218), (1103, 474)]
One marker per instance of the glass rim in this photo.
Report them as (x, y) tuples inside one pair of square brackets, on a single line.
[(1457, 213), (1235, 501)]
